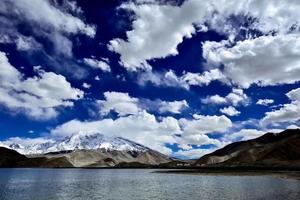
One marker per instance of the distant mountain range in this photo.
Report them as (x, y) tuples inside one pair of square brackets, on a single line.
[(76, 142), (92, 150), (270, 150)]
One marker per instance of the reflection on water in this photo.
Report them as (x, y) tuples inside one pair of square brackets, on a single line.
[(130, 184)]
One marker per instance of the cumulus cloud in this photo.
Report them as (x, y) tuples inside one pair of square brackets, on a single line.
[(289, 112), (170, 79), (202, 124), (45, 19), (193, 153), (154, 25), (49, 28), (294, 95), (86, 85), (264, 102), (248, 134), (158, 29), (100, 64), (293, 126), (215, 99), (266, 60), (172, 106), (202, 79), (119, 102), (230, 111), (236, 97), (38, 96), (124, 104), (167, 79), (185, 142), (245, 134)]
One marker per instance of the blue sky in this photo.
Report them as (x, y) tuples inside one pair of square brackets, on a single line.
[(182, 77)]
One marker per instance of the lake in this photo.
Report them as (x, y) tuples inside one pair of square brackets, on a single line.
[(131, 184)]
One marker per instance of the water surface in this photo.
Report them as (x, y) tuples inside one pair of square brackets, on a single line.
[(139, 184)]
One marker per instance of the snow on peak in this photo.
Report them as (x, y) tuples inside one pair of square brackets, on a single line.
[(77, 141)]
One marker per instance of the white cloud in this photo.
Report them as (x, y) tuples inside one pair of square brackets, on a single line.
[(215, 99), (202, 79), (289, 112), (245, 134), (158, 29), (170, 79), (267, 60), (186, 141), (38, 96), (294, 95), (86, 85), (248, 134), (205, 124), (119, 102), (42, 12), (193, 153), (230, 111), (172, 106), (100, 64), (167, 79), (24, 43), (124, 104), (45, 19), (264, 102), (237, 96), (293, 126)]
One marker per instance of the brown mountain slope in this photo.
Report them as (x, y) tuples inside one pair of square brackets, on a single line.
[(270, 150), (106, 158), (11, 158)]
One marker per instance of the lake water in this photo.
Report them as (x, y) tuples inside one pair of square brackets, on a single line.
[(131, 184)]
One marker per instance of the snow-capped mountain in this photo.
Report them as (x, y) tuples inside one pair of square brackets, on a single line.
[(79, 141)]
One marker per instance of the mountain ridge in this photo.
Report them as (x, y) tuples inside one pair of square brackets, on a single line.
[(74, 142), (269, 150)]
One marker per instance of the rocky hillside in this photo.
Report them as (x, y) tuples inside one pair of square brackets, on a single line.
[(270, 150), (109, 158)]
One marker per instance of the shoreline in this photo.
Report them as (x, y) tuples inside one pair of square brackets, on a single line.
[(286, 174), (278, 173)]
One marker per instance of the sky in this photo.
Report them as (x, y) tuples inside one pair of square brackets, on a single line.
[(183, 77)]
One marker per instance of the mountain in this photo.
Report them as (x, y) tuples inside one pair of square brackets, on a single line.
[(270, 150), (11, 158), (93, 150), (73, 142)]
